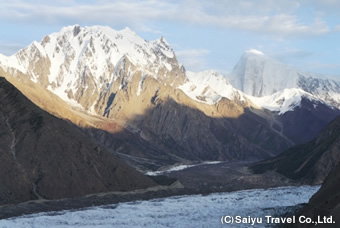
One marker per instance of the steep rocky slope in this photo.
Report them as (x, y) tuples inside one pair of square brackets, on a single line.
[(45, 157), (310, 162), (326, 202)]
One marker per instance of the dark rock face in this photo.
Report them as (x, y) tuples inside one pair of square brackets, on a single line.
[(307, 120), (193, 135), (42, 156), (326, 202), (314, 162), (310, 162)]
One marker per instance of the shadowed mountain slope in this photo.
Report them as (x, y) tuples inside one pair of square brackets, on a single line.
[(45, 157), (310, 162), (326, 202)]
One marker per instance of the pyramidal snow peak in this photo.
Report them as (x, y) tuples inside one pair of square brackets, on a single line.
[(259, 75)]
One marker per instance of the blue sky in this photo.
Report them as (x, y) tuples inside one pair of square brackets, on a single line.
[(204, 34)]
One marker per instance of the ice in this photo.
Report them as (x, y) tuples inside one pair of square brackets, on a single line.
[(178, 211)]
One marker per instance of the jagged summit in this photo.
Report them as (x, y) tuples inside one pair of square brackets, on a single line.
[(78, 62)]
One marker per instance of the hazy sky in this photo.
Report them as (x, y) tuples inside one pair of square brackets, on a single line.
[(204, 34)]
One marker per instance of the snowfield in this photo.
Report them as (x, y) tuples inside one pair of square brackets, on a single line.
[(179, 211)]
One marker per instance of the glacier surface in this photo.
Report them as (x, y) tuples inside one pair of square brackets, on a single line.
[(178, 211)]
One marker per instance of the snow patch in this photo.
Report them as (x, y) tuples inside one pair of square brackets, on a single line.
[(140, 84), (209, 87), (180, 167), (283, 101)]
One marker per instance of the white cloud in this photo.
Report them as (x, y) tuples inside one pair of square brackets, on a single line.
[(337, 28), (292, 54), (329, 6), (288, 25), (101, 12), (318, 65), (193, 59), (327, 68), (271, 17)]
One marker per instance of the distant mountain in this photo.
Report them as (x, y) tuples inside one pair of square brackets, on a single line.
[(298, 115), (259, 75), (310, 162), (46, 157), (294, 113)]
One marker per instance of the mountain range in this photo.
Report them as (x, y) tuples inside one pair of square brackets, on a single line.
[(104, 105), (119, 84)]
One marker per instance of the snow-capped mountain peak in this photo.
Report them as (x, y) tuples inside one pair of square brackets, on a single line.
[(259, 75), (82, 60), (209, 87)]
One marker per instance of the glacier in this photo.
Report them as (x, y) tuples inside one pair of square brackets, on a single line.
[(176, 211)]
